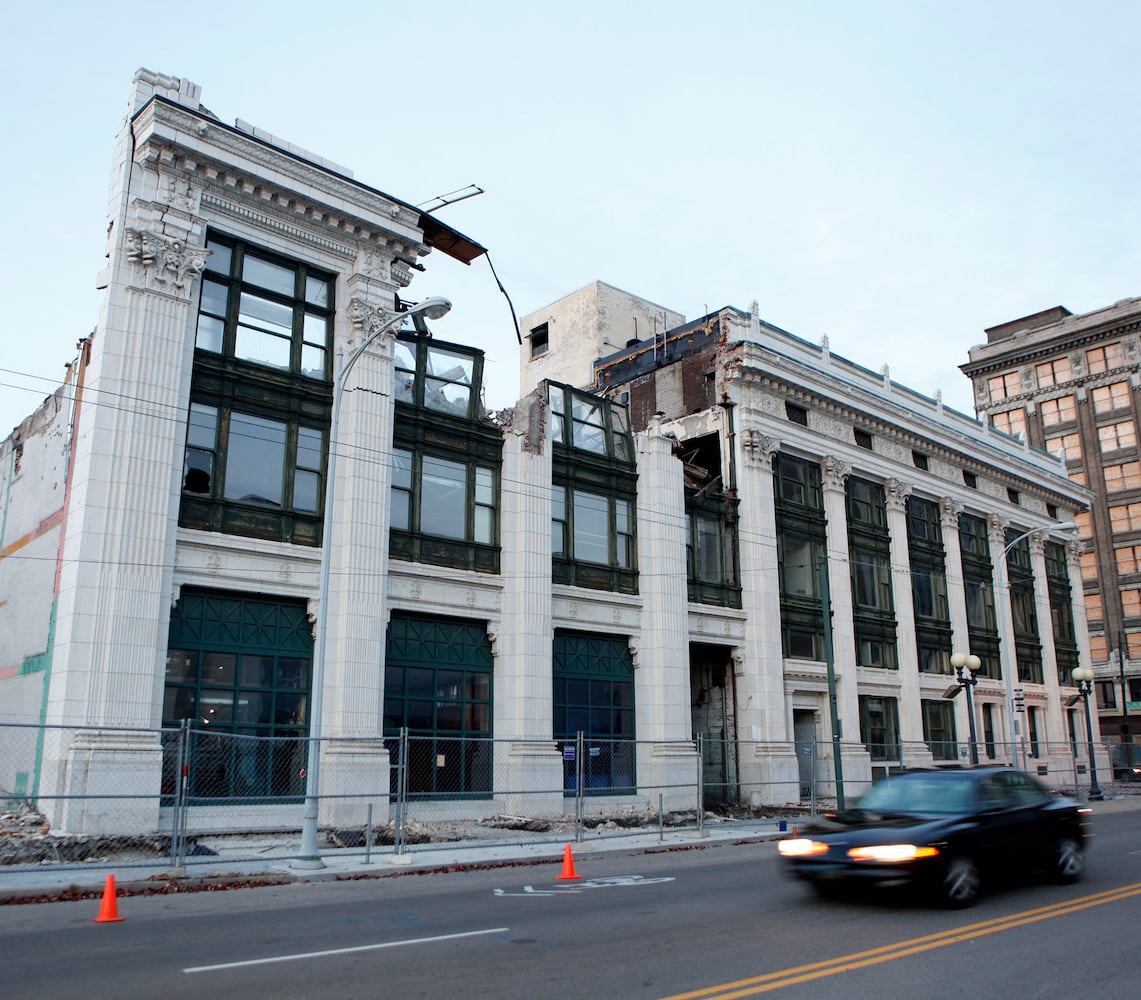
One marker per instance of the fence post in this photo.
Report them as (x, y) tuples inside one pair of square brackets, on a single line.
[(701, 782), (179, 821), (580, 780), (401, 792), (812, 771)]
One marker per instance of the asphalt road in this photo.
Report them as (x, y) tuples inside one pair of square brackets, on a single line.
[(714, 922)]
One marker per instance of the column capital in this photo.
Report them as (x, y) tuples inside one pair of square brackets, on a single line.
[(949, 511), (897, 494), (835, 471), (165, 263), (759, 448)]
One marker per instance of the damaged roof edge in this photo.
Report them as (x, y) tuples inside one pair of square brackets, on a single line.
[(438, 235)]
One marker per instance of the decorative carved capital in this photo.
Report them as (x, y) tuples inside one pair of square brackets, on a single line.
[(635, 649), (367, 317), (167, 264), (493, 637), (738, 658), (759, 448), (997, 525), (1037, 544), (897, 493), (949, 511), (836, 472), (1075, 547)]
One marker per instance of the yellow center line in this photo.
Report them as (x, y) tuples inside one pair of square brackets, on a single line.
[(901, 949)]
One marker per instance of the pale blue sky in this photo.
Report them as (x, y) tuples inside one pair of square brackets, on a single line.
[(895, 175)]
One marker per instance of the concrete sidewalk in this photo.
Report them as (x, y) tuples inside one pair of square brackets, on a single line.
[(275, 866)]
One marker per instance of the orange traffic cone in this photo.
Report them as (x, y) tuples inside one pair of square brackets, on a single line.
[(109, 911), (568, 866), (794, 833)]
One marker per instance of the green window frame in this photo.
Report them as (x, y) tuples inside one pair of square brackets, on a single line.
[(869, 556), (978, 588), (1024, 614), (238, 667), (264, 309), (438, 684), (446, 458), (593, 492), (879, 727), (939, 731), (1061, 611), (261, 395), (594, 694), (931, 607), (801, 540)]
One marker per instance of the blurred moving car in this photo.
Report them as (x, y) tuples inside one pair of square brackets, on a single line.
[(1126, 759), (944, 832)]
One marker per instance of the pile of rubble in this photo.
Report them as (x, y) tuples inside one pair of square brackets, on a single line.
[(26, 838)]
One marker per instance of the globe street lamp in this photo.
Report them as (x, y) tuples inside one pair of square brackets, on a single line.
[(966, 670), (1001, 605), (1084, 678), (433, 308)]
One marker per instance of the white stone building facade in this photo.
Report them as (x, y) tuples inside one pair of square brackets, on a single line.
[(589, 562)]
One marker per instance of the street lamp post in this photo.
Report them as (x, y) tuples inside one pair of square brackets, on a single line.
[(966, 670), (1001, 605), (1084, 678), (309, 857)]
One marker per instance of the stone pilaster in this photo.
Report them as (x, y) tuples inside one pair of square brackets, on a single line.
[(661, 680), (764, 709), (531, 766)]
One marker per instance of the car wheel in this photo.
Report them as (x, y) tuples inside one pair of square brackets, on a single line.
[(1069, 860), (960, 883)]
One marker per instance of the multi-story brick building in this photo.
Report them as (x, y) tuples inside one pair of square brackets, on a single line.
[(1069, 384)]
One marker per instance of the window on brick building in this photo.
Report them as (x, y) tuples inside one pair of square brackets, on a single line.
[(1052, 372), (1103, 359), (1107, 398), (1062, 410), (1115, 437), (1003, 387), (1012, 422), (1126, 476), (1069, 446)]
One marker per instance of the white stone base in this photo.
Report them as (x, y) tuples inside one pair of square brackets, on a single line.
[(667, 773), (531, 775), (112, 782), (354, 775)]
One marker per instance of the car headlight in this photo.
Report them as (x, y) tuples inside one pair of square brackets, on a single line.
[(892, 852), (801, 847)]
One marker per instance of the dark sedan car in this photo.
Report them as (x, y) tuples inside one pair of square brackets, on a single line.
[(944, 832)]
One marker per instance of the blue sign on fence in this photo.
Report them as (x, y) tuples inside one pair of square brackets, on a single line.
[(568, 752)]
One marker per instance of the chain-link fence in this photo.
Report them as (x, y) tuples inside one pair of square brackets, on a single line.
[(70, 795)]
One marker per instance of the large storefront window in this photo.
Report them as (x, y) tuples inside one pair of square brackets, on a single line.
[(437, 684), (238, 670), (594, 695)]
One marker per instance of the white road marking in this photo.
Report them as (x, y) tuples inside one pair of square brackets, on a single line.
[(343, 951), (606, 882)]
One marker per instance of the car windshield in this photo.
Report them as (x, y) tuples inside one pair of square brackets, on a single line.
[(924, 796)]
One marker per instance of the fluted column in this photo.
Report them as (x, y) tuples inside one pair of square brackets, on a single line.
[(910, 715), (768, 761), (528, 765)]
